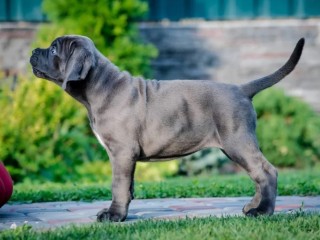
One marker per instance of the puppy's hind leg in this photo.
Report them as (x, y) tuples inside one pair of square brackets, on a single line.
[(243, 149), (254, 203)]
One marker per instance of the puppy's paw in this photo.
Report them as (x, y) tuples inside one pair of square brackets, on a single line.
[(254, 212), (250, 209), (113, 216)]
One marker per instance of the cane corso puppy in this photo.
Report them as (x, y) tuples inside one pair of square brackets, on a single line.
[(138, 120)]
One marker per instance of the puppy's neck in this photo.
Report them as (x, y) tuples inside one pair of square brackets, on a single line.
[(101, 86)]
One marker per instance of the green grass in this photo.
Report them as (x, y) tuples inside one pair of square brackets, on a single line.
[(295, 226), (304, 182), (290, 226)]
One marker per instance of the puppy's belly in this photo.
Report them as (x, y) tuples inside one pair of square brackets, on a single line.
[(175, 149), (164, 158)]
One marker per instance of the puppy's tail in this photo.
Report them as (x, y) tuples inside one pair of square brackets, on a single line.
[(253, 87)]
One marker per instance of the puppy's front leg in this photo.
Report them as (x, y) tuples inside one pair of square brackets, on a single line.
[(122, 177)]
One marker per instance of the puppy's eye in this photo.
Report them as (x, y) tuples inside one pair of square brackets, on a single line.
[(53, 50)]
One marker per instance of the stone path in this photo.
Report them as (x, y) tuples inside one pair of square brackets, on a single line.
[(55, 214)]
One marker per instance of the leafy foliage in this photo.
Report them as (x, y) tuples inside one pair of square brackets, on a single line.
[(44, 134), (100, 171), (111, 25), (210, 160), (288, 129)]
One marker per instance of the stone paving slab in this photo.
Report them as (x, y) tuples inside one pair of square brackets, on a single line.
[(55, 214)]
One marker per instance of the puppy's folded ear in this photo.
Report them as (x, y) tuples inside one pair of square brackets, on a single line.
[(78, 65)]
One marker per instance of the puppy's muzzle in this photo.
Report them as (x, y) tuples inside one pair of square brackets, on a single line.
[(34, 57), (34, 61)]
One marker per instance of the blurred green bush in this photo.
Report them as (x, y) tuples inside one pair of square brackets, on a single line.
[(204, 162), (288, 129), (44, 134), (111, 25)]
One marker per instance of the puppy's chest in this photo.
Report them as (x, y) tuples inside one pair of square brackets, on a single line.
[(101, 141), (95, 131)]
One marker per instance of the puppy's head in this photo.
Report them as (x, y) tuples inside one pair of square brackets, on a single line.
[(69, 58)]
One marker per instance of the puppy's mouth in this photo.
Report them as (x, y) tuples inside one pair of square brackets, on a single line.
[(38, 73)]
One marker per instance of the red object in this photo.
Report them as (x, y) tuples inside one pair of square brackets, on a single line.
[(6, 185)]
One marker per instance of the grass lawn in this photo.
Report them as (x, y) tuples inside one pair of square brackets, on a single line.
[(295, 226), (303, 182)]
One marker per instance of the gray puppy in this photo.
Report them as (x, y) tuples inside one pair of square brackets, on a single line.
[(138, 120)]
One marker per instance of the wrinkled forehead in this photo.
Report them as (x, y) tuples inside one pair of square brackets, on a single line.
[(72, 38), (65, 42)]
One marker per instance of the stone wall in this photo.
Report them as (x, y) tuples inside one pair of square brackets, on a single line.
[(238, 51), (227, 51), (15, 41)]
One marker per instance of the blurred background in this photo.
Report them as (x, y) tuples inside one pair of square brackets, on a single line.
[(45, 135)]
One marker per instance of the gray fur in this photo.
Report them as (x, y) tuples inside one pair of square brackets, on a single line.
[(138, 120)]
